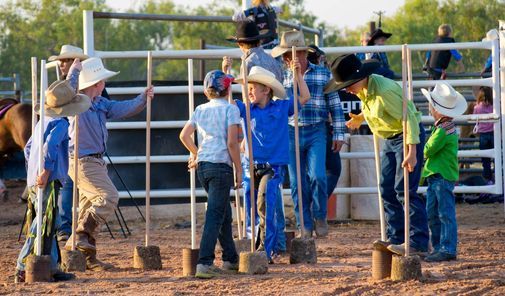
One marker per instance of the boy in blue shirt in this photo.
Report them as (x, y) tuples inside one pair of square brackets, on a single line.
[(61, 101), (217, 124), (270, 142)]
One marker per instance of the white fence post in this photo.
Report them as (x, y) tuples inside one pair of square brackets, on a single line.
[(88, 33)]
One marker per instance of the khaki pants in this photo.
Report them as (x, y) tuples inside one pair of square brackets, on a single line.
[(97, 193)]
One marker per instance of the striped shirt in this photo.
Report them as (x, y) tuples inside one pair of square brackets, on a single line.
[(212, 120), (320, 105)]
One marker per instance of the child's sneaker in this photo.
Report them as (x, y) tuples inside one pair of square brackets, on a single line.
[(230, 267), (207, 271), (19, 276)]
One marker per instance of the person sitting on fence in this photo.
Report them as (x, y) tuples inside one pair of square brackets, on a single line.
[(438, 60), (441, 170), (365, 38), (98, 195), (382, 102), (264, 16), (61, 101), (379, 37), (217, 123), (270, 142), (484, 105)]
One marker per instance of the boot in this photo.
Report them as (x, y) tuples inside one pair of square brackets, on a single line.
[(82, 242), (93, 264), (85, 232)]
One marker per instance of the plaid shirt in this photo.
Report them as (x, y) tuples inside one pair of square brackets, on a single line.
[(317, 108)]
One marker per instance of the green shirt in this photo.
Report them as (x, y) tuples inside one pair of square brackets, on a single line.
[(441, 151), (383, 108)]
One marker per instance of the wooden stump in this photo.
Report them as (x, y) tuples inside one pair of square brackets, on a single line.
[(303, 250), (38, 269), (406, 268), (147, 258), (253, 263), (189, 261), (73, 261)]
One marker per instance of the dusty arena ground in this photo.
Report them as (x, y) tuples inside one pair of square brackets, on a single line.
[(343, 268)]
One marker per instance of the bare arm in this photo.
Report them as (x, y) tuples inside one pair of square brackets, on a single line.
[(189, 143), (304, 95), (234, 150)]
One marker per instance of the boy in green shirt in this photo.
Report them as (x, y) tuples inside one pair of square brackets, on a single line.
[(441, 170), (382, 109)]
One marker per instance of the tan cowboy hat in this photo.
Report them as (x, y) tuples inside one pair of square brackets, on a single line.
[(69, 52), (93, 72), (446, 100), (62, 100), (262, 76), (288, 40)]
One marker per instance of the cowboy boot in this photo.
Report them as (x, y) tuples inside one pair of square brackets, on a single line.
[(84, 233), (93, 264)]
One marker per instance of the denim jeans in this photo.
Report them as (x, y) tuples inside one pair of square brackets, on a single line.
[(50, 245), (486, 141), (441, 210), (392, 194), (313, 172), (65, 207), (217, 180), (333, 163)]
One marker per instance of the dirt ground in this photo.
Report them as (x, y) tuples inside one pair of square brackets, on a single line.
[(343, 268)]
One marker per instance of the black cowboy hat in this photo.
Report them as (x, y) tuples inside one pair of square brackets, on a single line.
[(314, 53), (376, 35), (347, 69), (246, 32)]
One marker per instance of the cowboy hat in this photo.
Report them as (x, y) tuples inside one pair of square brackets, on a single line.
[(93, 72), (247, 31), (262, 76), (288, 40), (376, 35), (69, 52), (62, 100), (347, 69), (446, 100)]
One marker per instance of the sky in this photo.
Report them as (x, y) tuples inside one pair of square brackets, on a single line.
[(339, 13)]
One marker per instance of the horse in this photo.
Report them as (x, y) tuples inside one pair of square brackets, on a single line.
[(15, 129)]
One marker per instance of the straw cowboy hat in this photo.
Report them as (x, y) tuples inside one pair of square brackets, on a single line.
[(69, 52), (62, 100), (247, 31), (378, 34), (262, 76), (93, 72), (348, 69), (446, 100), (288, 40)]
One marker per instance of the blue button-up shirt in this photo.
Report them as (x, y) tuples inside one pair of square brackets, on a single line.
[(55, 150), (320, 105), (269, 127), (92, 130)]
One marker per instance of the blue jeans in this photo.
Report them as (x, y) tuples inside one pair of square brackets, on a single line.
[(486, 141), (217, 180), (313, 173), (65, 207), (49, 243), (392, 194), (333, 163), (442, 214)]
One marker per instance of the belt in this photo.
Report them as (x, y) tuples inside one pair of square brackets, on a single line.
[(262, 166), (395, 136), (95, 155)]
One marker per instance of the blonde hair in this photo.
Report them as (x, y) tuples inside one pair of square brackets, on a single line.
[(259, 2), (444, 30)]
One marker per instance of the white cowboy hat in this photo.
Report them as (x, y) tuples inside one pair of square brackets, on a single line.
[(446, 100), (288, 40), (262, 76), (93, 72), (62, 100), (69, 52)]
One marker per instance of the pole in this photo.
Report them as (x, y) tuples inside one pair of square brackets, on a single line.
[(34, 93), (75, 190), (245, 98), (381, 201), (148, 149), (297, 148), (40, 191), (405, 83), (237, 190), (192, 178)]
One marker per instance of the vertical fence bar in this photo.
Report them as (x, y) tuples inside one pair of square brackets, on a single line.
[(34, 93), (497, 127), (148, 149), (88, 32)]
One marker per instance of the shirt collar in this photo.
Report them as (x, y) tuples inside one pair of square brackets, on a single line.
[(251, 51)]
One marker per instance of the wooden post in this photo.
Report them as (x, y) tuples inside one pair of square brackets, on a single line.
[(192, 176), (34, 93), (148, 149), (405, 149), (75, 193), (381, 201)]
